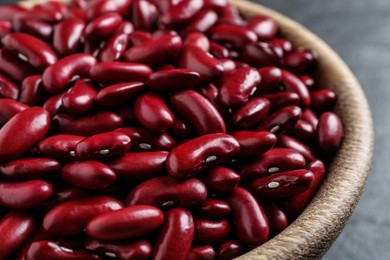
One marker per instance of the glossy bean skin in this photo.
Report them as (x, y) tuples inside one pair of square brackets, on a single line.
[(219, 51), (248, 217), (120, 93), (236, 36), (214, 208), (71, 217), (302, 130), (152, 112), (8, 88), (283, 99), (195, 155), (329, 132), (277, 220), (323, 100), (118, 72), (260, 55), (129, 222), (254, 143), (87, 125), (29, 168), (115, 48), (209, 231), (176, 235), (102, 26), (251, 113), (270, 79), (201, 252), (61, 196), (173, 80), (282, 120), (199, 40), (38, 235), (16, 226), (9, 10), (9, 108), (67, 36), (138, 37), (308, 81), (309, 116), (32, 92), (56, 77), (282, 185), (144, 15), (275, 160), (220, 180), (294, 84), (204, 20), (181, 13), (165, 190), (197, 110), (33, 26), (14, 67), (59, 146), (99, 7), (180, 129), (299, 61), (80, 98), (24, 195), (229, 15), (53, 104), (127, 250), (264, 27), (229, 250), (30, 125), (289, 142)]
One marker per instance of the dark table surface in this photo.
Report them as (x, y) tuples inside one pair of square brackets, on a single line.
[(358, 30)]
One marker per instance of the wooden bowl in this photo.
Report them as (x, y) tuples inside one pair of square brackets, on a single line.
[(314, 231)]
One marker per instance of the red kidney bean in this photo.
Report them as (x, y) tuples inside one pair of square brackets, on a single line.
[(172, 80), (217, 5), (271, 77), (49, 250), (308, 81), (10, 108), (203, 21), (36, 52), (93, 47), (80, 98), (229, 15), (140, 165), (38, 235), (323, 100), (219, 51), (211, 93), (264, 27), (71, 217), (294, 84), (30, 126), (229, 249), (211, 231), (289, 142), (33, 26), (91, 175), (129, 222), (281, 46), (302, 130), (29, 168), (126, 27), (201, 252), (166, 191), (194, 58), (181, 13), (146, 140), (58, 76), (275, 160), (45, 14), (248, 217), (195, 155), (24, 195), (232, 35), (9, 10), (115, 48), (329, 132), (220, 180), (59, 146), (67, 36), (119, 72), (16, 227), (119, 93), (254, 143), (32, 91), (127, 250), (259, 54), (282, 120), (53, 104), (8, 89), (282, 99), (197, 39), (176, 235), (310, 117), (239, 86), (61, 196), (277, 220), (144, 15), (198, 110), (5, 28), (299, 61), (96, 8), (14, 67), (282, 185), (215, 208), (102, 26), (139, 37), (180, 129), (97, 123)]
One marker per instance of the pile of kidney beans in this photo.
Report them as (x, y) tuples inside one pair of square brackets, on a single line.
[(161, 129)]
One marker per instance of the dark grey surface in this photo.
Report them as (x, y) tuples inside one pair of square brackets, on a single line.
[(359, 31)]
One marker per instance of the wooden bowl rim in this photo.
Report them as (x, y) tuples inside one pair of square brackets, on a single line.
[(314, 231)]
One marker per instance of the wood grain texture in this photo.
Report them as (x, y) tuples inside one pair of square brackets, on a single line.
[(312, 234)]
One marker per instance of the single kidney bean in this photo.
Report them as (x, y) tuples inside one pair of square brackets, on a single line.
[(166, 191), (194, 58), (99, 7), (251, 113), (215, 208), (59, 146), (119, 72), (308, 81), (53, 104), (239, 86), (219, 51), (203, 21), (32, 92), (33, 26), (259, 55), (16, 227), (58, 76), (254, 143), (61, 196), (323, 100), (248, 217), (201, 252), (67, 36), (101, 146), (199, 111), (271, 77), (8, 89), (309, 116), (71, 217), (264, 27), (36, 52), (281, 46), (51, 16), (282, 99), (127, 250), (232, 35), (181, 13), (197, 39), (5, 28), (38, 235), (144, 15), (230, 249), (49, 250), (30, 126), (29, 168), (129, 222), (138, 37), (115, 48), (220, 180), (14, 67), (275, 160), (329, 132), (102, 26), (299, 61), (24, 195), (209, 231), (176, 235), (91, 175), (277, 220), (302, 130), (10, 108), (195, 155), (229, 15), (80, 98), (180, 129), (140, 165), (289, 142), (282, 120), (119, 93), (294, 84), (97, 123), (9, 10), (172, 80)]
